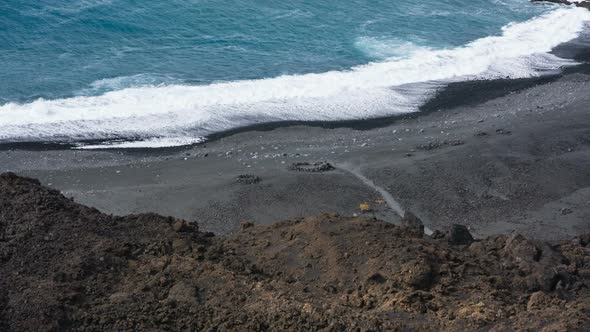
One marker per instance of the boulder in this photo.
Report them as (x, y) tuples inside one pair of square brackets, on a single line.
[(459, 235), (541, 267), (413, 224)]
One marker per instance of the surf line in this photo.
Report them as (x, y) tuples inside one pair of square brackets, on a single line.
[(387, 197)]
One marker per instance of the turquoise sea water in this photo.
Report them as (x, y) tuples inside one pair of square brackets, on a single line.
[(174, 71)]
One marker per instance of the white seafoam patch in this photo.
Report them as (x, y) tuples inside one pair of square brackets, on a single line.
[(174, 114), (388, 48)]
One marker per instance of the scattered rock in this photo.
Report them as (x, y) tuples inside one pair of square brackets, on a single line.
[(455, 142), (564, 211), (502, 131), (429, 146), (248, 179), (438, 144), (316, 167)]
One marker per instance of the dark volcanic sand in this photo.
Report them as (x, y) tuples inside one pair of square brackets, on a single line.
[(64, 266), (496, 156)]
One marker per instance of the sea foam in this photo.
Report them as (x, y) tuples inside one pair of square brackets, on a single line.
[(176, 114)]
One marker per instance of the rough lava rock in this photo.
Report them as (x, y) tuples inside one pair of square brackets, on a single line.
[(67, 267), (413, 224)]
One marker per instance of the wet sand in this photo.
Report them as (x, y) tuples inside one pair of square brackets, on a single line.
[(497, 156)]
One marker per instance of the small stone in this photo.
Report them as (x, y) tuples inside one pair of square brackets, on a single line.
[(502, 131), (564, 211)]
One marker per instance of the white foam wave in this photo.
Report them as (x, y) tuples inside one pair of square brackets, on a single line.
[(150, 143), (376, 89), (387, 48)]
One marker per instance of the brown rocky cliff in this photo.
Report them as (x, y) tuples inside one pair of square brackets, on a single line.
[(64, 266)]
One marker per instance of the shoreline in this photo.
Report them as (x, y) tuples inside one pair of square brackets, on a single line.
[(452, 95), (436, 165)]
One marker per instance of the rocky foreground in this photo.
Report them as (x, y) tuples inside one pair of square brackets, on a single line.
[(64, 266)]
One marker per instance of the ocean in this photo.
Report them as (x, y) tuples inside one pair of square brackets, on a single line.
[(126, 73)]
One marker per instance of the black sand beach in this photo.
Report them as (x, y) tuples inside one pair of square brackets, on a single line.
[(497, 156)]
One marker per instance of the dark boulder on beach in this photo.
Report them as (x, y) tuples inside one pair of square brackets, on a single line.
[(67, 267), (460, 235), (248, 179), (315, 167)]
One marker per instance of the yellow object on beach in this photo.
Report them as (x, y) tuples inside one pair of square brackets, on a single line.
[(365, 207)]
